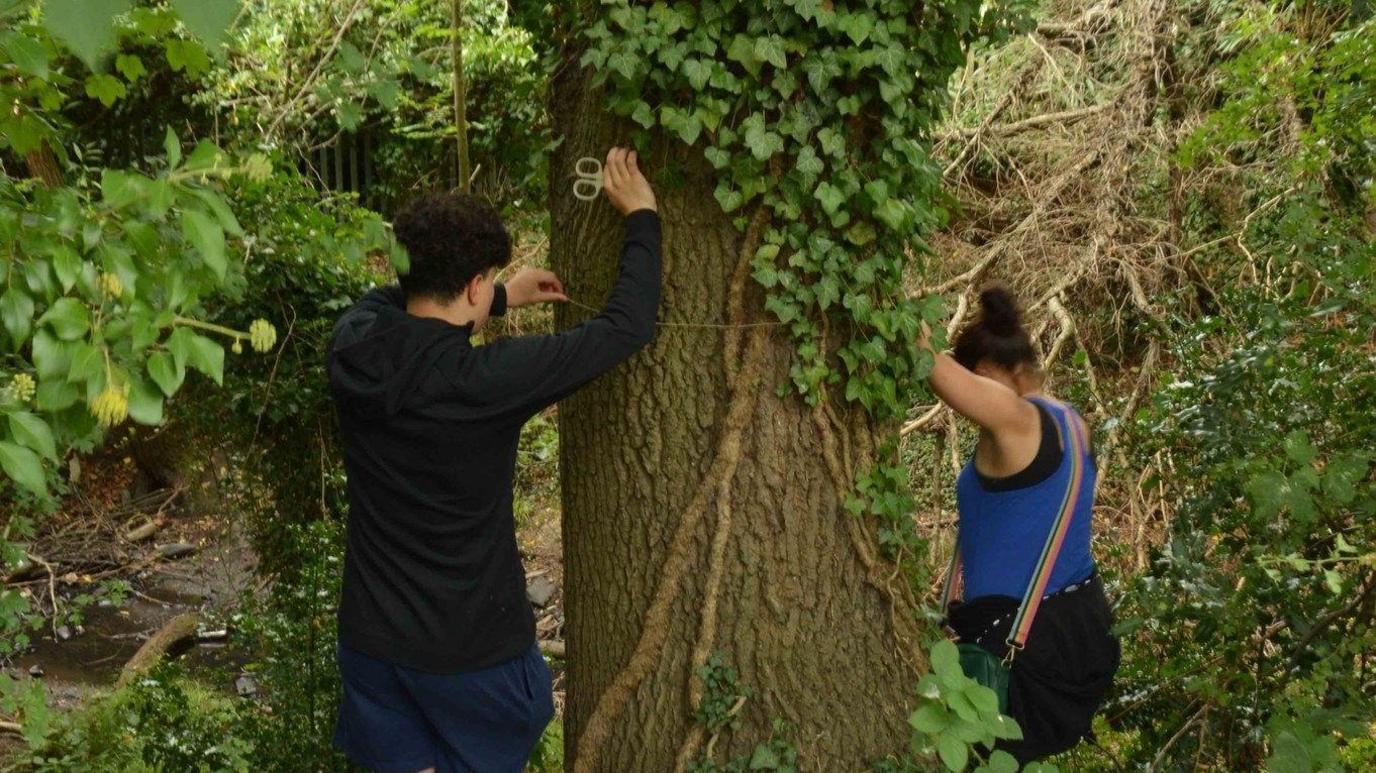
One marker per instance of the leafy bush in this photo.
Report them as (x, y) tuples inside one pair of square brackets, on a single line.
[(163, 721)]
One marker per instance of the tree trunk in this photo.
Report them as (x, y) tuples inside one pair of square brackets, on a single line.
[(696, 498)]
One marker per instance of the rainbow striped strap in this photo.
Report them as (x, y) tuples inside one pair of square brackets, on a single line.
[(1032, 599), (1041, 575)]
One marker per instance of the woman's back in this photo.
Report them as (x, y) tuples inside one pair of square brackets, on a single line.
[(1005, 522)]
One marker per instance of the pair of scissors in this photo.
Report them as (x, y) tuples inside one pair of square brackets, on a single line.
[(589, 183)]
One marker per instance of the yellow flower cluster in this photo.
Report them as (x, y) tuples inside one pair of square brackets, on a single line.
[(23, 387), (262, 335), (110, 407), (111, 285)]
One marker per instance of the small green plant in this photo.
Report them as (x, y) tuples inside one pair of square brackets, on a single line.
[(958, 720), (721, 691), (548, 756), (164, 721)]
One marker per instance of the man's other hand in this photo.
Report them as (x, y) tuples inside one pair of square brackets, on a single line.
[(627, 189), (534, 285)]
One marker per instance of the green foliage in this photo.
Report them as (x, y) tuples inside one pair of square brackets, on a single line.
[(391, 78), (957, 719), (163, 721), (548, 756), (777, 754), (721, 691), (816, 113), (1252, 617)]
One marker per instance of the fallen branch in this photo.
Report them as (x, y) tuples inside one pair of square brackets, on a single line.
[(174, 632), (11, 727), (1009, 129)]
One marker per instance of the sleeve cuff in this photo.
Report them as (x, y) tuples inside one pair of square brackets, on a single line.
[(643, 223), (498, 300)]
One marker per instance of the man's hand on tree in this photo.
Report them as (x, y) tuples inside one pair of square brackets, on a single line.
[(534, 285), (627, 189)]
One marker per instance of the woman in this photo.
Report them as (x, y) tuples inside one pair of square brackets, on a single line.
[(1032, 464)]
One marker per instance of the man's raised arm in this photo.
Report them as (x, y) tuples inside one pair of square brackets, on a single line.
[(545, 369)]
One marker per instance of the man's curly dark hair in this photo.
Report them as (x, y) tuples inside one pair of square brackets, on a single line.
[(451, 238)]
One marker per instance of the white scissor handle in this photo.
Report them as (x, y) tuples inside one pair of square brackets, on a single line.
[(589, 183)]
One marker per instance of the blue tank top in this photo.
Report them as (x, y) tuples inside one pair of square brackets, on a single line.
[(1002, 532)]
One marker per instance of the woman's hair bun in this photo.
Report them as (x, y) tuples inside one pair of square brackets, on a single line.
[(999, 311)]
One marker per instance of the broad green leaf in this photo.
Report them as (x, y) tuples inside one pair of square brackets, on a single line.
[(208, 20), (87, 27), (67, 266), (930, 718), (106, 88), (1002, 762), (68, 317), (130, 66), (16, 312), (22, 466), (172, 147), (145, 402), (953, 752), (207, 238), (166, 372), (960, 703), (187, 56), (118, 189), (1298, 448), (984, 699), (945, 658), (33, 433), (87, 362), (28, 55), (223, 213), (206, 356)]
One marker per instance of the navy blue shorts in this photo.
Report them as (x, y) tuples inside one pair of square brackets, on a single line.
[(398, 720)]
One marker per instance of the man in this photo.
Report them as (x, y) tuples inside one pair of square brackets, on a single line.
[(437, 652)]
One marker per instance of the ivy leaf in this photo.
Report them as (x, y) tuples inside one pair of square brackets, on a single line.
[(697, 71), (808, 164), (23, 467), (643, 114), (208, 20), (33, 432), (87, 27), (742, 50), (771, 49), (763, 144), (719, 158), (728, 197), (830, 196), (207, 238), (857, 26)]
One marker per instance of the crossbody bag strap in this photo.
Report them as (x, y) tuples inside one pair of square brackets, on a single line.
[(1073, 443)]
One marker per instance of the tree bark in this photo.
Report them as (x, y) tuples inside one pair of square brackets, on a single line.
[(460, 96), (819, 631)]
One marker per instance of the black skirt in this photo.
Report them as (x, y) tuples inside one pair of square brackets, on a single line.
[(1057, 683)]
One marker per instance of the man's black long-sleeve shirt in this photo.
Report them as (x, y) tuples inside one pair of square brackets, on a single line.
[(429, 425)]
